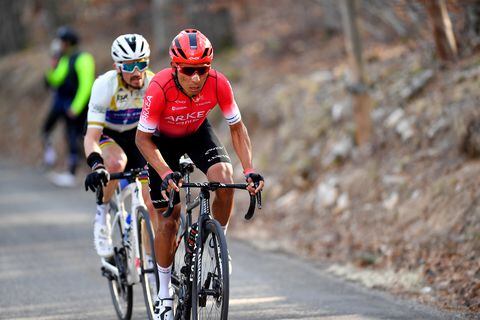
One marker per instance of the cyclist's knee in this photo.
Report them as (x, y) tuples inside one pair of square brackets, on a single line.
[(221, 172), (115, 164), (150, 208), (168, 225)]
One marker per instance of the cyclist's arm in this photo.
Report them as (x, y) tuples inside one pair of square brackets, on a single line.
[(241, 144), (151, 153), (91, 142), (240, 139), (153, 102), (102, 92), (55, 77), (85, 68)]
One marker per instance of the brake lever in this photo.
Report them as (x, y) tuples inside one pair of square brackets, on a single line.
[(259, 200), (99, 195), (251, 208), (169, 210)]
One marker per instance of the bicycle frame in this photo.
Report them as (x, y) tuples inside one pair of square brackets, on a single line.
[(183, 278), (130, 234)]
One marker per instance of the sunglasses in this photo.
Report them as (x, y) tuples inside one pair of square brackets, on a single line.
[(189, 71), (129, 67)]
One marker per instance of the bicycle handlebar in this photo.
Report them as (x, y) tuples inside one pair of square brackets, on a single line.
[(212, 186), (130, 175)]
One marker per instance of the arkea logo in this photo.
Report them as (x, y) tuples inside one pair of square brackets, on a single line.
[(186, 118), (146, 107), (148, 101)]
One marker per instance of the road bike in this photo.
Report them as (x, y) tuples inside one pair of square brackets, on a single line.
[(200, 272), (133, 260)]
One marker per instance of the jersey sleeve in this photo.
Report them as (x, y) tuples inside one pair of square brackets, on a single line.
[(153, 104), (100, 99), (85, 68), (55, 77), (226, 100)]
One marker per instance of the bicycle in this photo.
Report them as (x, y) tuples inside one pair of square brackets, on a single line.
[(129, 230), (200, 277)]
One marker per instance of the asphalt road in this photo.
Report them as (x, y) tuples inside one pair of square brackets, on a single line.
[(49, 270)]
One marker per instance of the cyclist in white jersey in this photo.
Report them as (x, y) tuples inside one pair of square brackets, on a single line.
[(113, 113)]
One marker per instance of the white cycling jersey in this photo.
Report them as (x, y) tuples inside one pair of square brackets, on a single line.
[(112, 105)]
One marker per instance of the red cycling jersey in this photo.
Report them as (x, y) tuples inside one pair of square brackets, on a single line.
[(171, 112)]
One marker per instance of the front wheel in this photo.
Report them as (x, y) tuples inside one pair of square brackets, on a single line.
[(148, 265), (181, 274), (210, 292), (120, 290)]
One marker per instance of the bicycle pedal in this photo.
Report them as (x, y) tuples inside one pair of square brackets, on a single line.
[(185, 270), (202, 300), (107, 274)]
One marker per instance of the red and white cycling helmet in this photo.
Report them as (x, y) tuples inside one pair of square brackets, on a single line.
[(191, 46)]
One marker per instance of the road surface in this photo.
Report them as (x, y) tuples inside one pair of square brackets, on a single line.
[(49, 270)]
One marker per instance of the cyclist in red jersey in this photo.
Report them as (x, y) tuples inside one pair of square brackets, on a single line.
[(174, 122)]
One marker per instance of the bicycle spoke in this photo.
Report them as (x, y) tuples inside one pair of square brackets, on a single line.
[(211, 299), (149, 274), (121, 292)]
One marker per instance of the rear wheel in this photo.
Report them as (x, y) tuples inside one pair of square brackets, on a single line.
[(121, 292), (148, 265), (210, 295)]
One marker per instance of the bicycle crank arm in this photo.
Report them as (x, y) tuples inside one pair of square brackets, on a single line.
[(110, 268)]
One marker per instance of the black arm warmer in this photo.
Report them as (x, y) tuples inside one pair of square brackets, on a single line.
[(94, 159)]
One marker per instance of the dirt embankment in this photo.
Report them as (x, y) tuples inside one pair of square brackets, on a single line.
[(400, 214)]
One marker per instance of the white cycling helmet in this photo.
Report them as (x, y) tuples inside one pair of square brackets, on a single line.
[(129, 47)]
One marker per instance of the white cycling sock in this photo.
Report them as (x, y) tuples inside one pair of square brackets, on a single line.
[(165, 277), (101, 215)]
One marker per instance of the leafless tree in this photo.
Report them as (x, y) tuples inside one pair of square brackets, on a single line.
[(443, 35), (362, 102), (212, 17), (12, 31)]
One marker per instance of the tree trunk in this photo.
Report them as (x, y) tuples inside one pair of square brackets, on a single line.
[(168, 20), (213, 18), (361, 99), (442, 29), (12, 31), (472, 28)]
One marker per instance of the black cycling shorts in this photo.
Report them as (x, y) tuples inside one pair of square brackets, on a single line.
[(203, 148), (126, 141)]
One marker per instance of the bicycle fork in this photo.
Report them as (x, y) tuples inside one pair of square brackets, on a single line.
[(134, 268), (130, 241)]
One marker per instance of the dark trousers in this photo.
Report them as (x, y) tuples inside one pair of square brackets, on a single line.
[(73, 129)]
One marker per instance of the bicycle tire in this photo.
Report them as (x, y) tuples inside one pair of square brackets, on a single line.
[(149, 288), (181, 283), (210, 289), (120, 291)]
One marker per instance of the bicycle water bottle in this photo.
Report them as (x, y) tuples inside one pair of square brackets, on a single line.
[(192, 237)]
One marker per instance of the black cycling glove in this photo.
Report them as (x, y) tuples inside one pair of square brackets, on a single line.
[(256, 177), (96, 179), (175, 176)]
